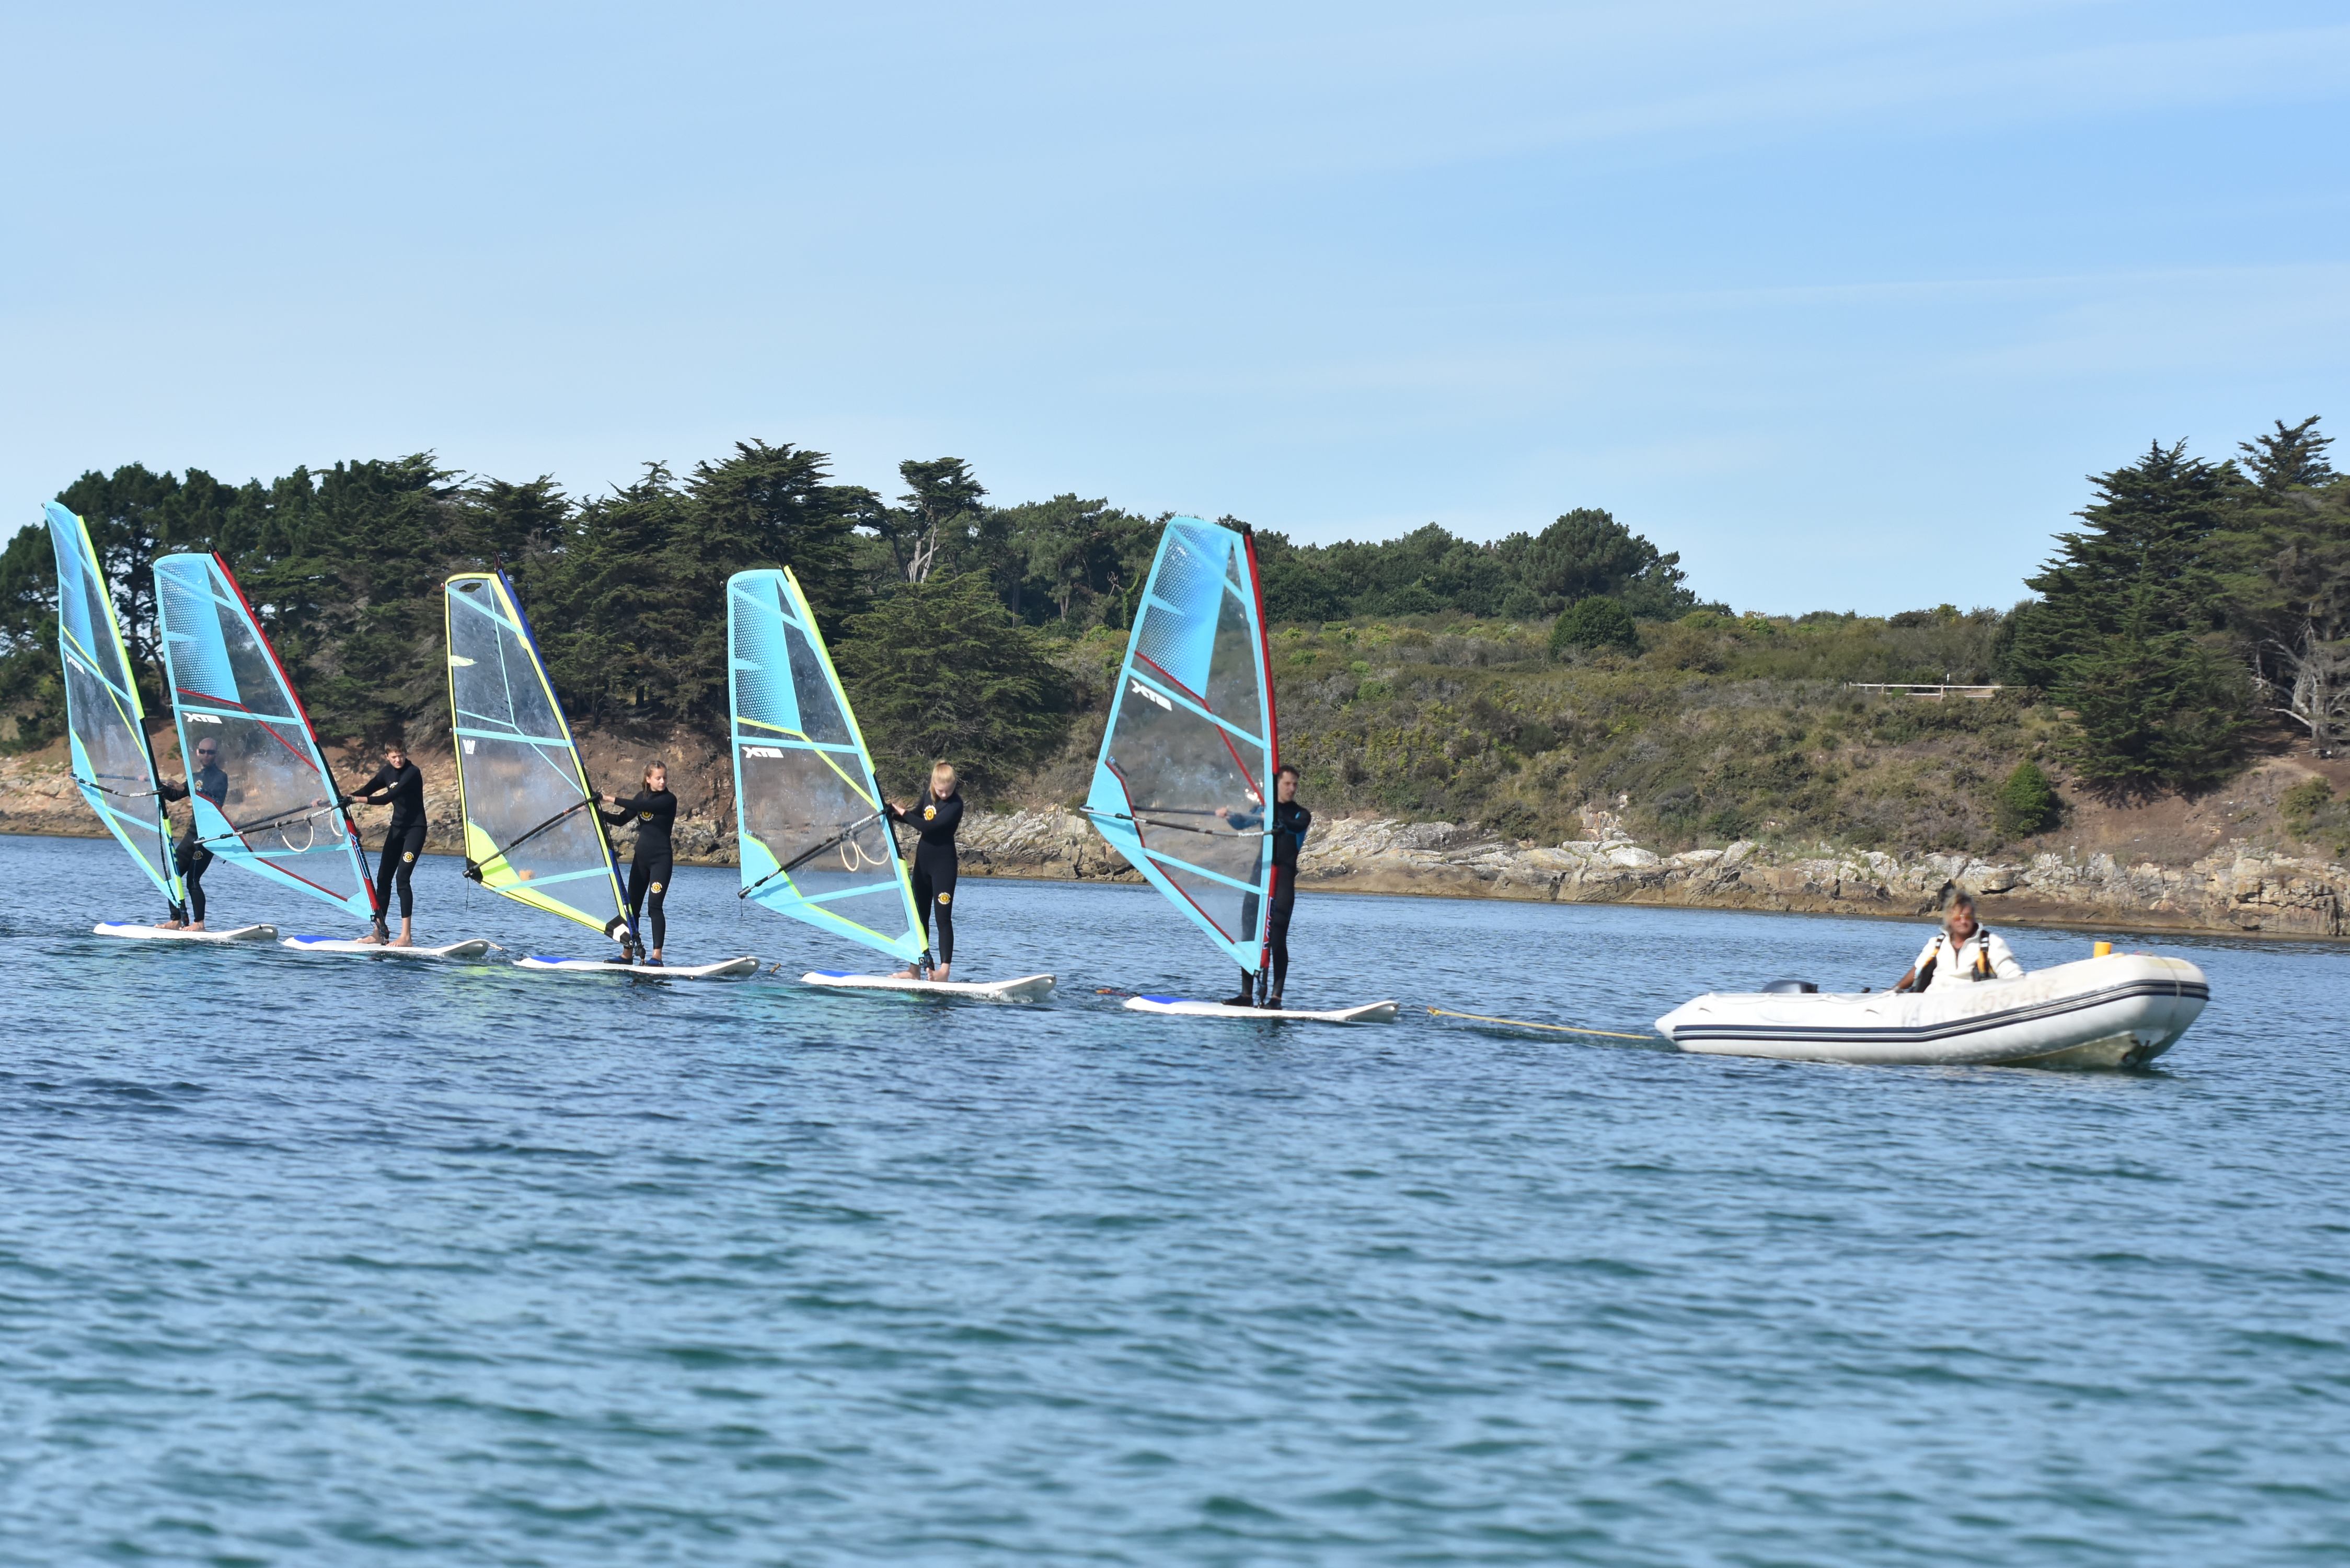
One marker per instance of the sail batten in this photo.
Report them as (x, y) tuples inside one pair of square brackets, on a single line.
[(1182, 786), (532, 832), (278, 819), (815, 838)]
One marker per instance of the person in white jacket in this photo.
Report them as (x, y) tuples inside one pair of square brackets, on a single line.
[(1960, 953)]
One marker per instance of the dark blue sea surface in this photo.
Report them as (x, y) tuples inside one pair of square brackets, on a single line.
[(311, 1259)]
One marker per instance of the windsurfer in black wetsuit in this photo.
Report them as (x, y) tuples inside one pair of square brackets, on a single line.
[(654, 811), (399, 784), (190, 856), (1290, 821), (935, 821)]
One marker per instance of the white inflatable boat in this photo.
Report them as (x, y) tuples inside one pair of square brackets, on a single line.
[(2121, 1010)]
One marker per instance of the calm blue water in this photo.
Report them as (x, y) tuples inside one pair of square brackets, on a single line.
[(307, 1260)]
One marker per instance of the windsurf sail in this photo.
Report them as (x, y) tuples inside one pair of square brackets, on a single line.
[(1185, 774), (531, 828), (106, 725), (279, 819), (816, 841)]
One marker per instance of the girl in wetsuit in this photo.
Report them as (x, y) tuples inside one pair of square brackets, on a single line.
[(190, 856), (399, 784), (654, 811), (935, 821), (1290, 821)]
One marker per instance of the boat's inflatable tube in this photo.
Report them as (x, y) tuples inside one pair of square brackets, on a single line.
[(2115, 1011)]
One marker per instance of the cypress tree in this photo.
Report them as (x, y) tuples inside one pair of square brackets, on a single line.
[(2129, 628)]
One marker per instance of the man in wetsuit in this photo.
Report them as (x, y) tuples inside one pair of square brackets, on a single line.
[(1290, 821), (654, 811), (399, 784), (935, 822), (189, 855)]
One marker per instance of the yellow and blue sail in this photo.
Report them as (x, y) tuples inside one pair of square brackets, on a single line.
[(105, 723), (1182, 785), (532, 832), (279, 820), (814, 836)]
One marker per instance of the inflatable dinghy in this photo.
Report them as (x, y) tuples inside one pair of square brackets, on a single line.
[(2121, 1010)]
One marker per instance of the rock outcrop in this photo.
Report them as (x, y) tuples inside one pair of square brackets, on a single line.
[(2238, 886), (2238, 889)]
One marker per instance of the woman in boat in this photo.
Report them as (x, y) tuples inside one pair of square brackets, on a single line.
[(654, 810), (399, 784), (934, 824), (1961, 952), (1290, 821), (189, 856)]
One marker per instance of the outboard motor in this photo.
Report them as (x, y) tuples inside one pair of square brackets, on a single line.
[(1791, 988)]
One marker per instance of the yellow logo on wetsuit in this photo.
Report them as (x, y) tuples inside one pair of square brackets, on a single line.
[(929, 812), (946, 898)]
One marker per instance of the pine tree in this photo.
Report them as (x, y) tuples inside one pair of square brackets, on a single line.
[(2129, 628), (2287, 559)]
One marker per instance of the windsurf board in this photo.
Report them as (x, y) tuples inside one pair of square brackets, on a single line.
[(1368, 1012), (160, 934), (1027, 988), (471, 948), (732, 969)]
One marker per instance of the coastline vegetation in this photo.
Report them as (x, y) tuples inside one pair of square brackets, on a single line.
[(2201, 610)]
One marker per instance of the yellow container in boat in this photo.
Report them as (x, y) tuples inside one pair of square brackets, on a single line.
[(2104, 949)]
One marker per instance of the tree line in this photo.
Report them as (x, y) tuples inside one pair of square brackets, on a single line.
[(2197, 600)]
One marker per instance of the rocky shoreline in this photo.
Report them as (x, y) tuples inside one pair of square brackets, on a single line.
[(2239, 887)]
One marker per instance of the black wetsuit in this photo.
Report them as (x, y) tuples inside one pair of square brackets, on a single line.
[(1290, 821), (654, 811), (403, 789), (935, 821), (190, 856)]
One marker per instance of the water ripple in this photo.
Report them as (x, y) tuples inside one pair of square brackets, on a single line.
[(309, 1260)]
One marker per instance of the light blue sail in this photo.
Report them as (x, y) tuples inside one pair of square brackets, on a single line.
[(278, 818), (1182, 786), (105, 723), (816, 842)]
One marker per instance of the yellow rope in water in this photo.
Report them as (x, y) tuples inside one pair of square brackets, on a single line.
[(1522, 1023)]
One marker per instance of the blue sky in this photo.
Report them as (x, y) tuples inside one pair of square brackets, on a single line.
[(1839, 300)]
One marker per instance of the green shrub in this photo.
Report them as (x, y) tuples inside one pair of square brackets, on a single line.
[(2313, 816), (1594, 623), (2304, 800), (2027, 801)]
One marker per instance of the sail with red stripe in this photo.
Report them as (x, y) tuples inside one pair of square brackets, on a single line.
[(278, 817), (1182, 786)]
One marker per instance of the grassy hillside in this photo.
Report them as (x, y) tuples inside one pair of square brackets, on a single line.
[(1716, 729)]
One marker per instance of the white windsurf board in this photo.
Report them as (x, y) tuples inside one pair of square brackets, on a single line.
[(1027, 988), (159, 934), (471, 948), (1367, 1013), (732, 969)]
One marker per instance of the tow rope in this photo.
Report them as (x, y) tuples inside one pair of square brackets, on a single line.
[(1523, 1024)]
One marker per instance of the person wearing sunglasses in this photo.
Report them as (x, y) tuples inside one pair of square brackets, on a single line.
[(189, 855)]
